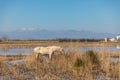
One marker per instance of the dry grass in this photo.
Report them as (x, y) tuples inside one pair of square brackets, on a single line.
[(73, 65), (29, 44), (6, 59), (62, 66)]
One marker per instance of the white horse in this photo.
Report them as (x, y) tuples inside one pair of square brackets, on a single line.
[(47, 50)]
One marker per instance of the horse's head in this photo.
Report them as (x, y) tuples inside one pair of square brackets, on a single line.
[(61, 50)]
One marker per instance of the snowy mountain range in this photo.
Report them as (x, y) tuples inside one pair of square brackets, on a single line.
[(53, 34)]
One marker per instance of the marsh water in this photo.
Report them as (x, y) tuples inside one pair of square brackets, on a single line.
[(25, 51)]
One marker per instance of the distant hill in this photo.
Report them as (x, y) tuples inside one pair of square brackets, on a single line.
[(53, 34)]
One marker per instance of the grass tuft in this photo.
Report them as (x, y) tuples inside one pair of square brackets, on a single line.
[(92, 56), (78, 63)]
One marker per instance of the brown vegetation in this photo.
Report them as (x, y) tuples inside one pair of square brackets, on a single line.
[(73, 65), (34, 43)]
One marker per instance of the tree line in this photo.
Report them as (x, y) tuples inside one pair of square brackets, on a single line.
[(79, 40)]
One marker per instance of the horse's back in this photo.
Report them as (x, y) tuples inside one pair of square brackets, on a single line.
[(44, 50), (54, 47)]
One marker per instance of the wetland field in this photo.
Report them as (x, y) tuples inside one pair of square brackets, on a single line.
[(81, 61)]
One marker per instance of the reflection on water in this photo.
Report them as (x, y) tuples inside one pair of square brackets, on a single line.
[(16, 51), (114, 59), (82, 49), (98, 49), (118, 47)]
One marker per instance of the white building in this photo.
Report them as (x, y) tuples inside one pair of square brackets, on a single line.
[(106, 39), (118, 37), (118, 47), (113, 40)]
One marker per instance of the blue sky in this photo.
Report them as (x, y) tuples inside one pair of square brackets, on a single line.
[(90, 15)]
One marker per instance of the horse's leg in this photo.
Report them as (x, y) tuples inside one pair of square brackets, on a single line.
[(50, 55), (39, 57)]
